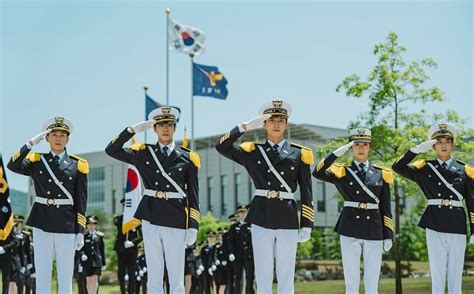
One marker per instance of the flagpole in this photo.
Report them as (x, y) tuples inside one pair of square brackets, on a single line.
[(192, 102), (145, 88), (167, 11)]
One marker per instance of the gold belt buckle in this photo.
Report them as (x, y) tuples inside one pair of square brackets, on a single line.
[(50, 201), (273, 194), (362, 205), (160, 194), (447, 202)]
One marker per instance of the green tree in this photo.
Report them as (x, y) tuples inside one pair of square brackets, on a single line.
[(390, 86)]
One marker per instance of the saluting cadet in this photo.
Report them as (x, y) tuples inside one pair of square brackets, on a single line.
[(126, 247), (445, 182), (241, 251), (93, 253), (365, 225), (170, 209), (57, 216), (276, 168)]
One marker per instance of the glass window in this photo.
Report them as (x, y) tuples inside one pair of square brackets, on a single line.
[(210, 186), (224, 194), (321, 196), (96, 189)]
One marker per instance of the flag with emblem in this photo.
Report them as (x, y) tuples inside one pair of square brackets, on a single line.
[(6, 216), (133, 196), (209, 81), (151, 104), (185, 39)]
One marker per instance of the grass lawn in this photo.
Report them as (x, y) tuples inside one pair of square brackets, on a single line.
[(410, 286)]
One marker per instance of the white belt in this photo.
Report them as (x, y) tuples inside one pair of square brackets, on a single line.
[(273, 194), (361, 205), (50, 201), (162, 194), (445, 202)]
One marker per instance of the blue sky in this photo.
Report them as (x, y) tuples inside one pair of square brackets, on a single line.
[(89, 61)]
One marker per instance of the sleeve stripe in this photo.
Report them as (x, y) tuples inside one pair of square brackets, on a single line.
[(194, 210), (195, 216), (308, 216)]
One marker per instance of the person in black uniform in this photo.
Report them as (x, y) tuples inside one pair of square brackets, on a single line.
[(6, 248), (277, 168), (141, 271), (93, 253), (57, 215), (241, 251), (446, 183), (365, 225), (126, 247), (30, 267), (230, 278), (221, 261), (79, 273), (197, 284), (169, 209), (189, 267), (207, 257), (20, 267)]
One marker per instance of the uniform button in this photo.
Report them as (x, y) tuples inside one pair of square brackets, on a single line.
[(48, 192), (439, 183), (451, 196), (156, 183), (429, 176), (368, 217), (61, 183), (259, 162), (50, 180), (357, 192), (57, 206), (350, 183), (70, 178), (450, 207), (436, 165), (292, 168), (282, 173), (281, 186), (147, 162), (268, 171), (269, 183), (40, 171), (169, 174), (357, 216), (439, 194), (167, 186), (180, 169), (157, 171), (439, 206), (59, 195)]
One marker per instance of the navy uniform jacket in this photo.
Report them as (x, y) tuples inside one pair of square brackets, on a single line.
[(134, 235), (181, 165), (292, 164), (370, 224), (94, 249), (208, 253), (9, 245), (72, 172), (441, 219), (240, 240)]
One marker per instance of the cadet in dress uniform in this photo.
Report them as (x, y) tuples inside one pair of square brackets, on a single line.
[(365, 225), (241, 251), (188, 267), (221, 262), (445, 182), (20, 265), (126, 247), (93, 253), (79, 273), (57, 216), (230, 278), (276, 168), (141, 271), (170, 209), (6, 248)]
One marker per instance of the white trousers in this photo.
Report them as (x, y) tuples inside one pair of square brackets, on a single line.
[(274, 247), (446, 255), (351, 251), (164, 245), (48, 246)]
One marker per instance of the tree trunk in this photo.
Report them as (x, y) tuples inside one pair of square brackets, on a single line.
[(398, 263)]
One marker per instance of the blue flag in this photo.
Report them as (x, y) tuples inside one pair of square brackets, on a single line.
[(209, 81), (151, 104)]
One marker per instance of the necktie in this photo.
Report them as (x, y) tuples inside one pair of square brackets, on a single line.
[(444, 165), (362, 173), (55, 162), (164, 151), (275, 150)]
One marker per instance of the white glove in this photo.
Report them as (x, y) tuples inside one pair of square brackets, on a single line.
[(341, 150), (304, 235), (217, 262), (128, 244), (201, 268), (79, 242), (103, 268), (224, 262), (210, 271), (213, 267), (423, 147), (2, 251), (79, 268), (84, 257), (231, 257), (29, 266), (255, 122), (139, 278), (387, 245), (144, 269), (198, 272), (38, 138), (471, 240), (22, 270), (33, 275), (125, 277), (140, 272), (191, 235), (142, 126)]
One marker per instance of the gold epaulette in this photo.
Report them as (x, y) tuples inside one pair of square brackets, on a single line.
[(469, 170), (33, 157), (306, 154), (387, 174), (138, 146), (194, 157), (418, 164), (248, 146), (82, 164), (338, 170), (320, 165)]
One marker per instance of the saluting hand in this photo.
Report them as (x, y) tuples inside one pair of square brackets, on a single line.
[(255, 122), (341, 150), (423, 147), (38, 138), (142, 126)]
